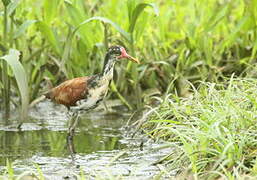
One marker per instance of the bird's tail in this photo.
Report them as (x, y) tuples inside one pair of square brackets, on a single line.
[(48, 94), (49, 86), (36, 101), (44, 95)]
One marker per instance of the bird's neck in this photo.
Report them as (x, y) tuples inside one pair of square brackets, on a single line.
[(109, 63)]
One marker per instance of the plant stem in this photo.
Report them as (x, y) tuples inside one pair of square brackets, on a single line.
[(105, 36), (135, 74), (5, 79)]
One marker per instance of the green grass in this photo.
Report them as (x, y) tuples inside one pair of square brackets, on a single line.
[(213, 132)]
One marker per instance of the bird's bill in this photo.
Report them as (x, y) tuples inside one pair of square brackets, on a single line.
[(124, 54), (133, 59)]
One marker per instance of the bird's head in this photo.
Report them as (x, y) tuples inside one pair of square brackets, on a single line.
[(119, 52)]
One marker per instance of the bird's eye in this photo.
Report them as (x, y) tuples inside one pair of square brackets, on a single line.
[(115, 50)]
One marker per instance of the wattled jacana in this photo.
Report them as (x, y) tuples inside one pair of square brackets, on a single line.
[(84, 93)]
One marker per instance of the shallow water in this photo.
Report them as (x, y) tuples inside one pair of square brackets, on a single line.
[(104, 148)]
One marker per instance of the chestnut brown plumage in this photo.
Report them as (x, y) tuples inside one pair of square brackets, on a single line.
[(69, 92), (84, 93)]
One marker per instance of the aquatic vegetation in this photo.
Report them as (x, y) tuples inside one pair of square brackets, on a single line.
[(187, 48), (213, 132)]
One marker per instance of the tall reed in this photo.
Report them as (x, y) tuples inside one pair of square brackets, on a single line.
[(5, 78)]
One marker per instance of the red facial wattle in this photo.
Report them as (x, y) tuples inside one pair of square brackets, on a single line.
[(124, 54)]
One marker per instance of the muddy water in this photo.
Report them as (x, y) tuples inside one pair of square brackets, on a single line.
[(104, 147)]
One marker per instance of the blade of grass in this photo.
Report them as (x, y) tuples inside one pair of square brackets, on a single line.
[(10, 170), (66, 53), (115, 90), (40, 173), (105, 20), (137, 11)]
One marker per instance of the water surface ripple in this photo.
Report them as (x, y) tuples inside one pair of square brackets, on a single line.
[(103, 147)]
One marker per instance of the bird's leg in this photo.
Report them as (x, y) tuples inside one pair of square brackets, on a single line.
[(70, 113), (71, 148), (72, 125)]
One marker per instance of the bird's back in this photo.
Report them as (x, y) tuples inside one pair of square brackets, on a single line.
[(69, 92)]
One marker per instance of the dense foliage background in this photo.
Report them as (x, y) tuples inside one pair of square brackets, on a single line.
[(176, 41)]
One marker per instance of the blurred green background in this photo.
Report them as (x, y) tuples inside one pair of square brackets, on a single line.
[(176, 41)]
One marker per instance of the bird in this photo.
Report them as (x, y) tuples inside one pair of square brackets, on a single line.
[(84, 93)]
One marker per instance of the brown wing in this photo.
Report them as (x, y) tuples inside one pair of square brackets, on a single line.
[(69, 92)]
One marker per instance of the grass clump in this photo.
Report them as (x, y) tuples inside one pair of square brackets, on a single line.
[(214, 132)]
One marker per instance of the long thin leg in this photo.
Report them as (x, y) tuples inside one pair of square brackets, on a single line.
[(73, 124), (71, 131), (71, 148)]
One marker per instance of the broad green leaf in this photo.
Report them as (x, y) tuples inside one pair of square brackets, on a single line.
[(6, 2), (105, 20), (21, 78), (22, 28), (49, 35), (3, 48), (77, 16), (12, 6), (137, 11)]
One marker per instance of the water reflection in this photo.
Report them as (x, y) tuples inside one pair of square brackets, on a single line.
[(99, 137), (91, 136)]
